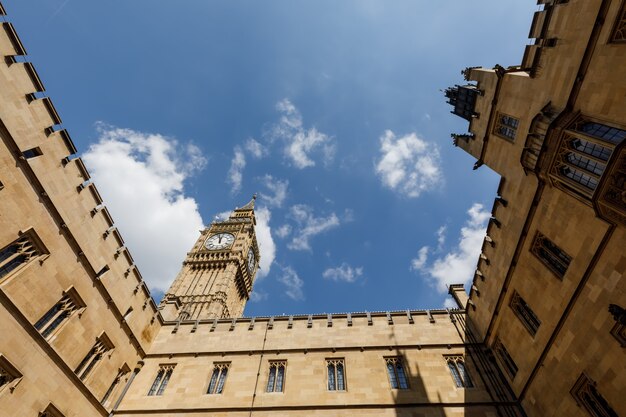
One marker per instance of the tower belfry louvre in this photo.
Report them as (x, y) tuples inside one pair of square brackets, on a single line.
[(541, 333), (218, 273)]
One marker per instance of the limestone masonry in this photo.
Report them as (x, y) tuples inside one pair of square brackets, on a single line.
[(541, 333)]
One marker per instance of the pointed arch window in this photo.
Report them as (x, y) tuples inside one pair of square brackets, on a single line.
[(583, 154), (54, 318), (161, 380), (276, 378), (218, 378), (336, 374), (103, 345), (587, 395), (396, 373), (619, 31), (20, 252), (456, 365)]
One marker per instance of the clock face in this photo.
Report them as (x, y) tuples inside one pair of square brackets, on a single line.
[(251, 261), (219, 241)]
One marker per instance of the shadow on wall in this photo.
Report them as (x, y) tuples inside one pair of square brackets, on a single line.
[(473, 386)]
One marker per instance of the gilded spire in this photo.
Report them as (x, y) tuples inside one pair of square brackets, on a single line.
[(249, 206)]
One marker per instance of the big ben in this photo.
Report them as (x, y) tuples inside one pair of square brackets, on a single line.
[(217, 275)]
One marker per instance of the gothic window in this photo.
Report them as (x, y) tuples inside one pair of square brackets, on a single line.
[(505, 126), (586, 395), (59, 313), (619, 332), (505, 359), (550, 254), (18, 253), (583, 155), (276, 379), (397, 375), (523, 312), (51, 411), (619, 32), (336, 374), (9, 375), (456, 364), (121, 374), (162, 378), (218, 378), (103, 345)]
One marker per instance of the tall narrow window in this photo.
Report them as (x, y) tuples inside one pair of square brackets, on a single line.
[(162, 378), (397, 375), (336, 374), (505, 359), (550, 254), (103, 344), (461, 378), (523, 312), (583, 154), (505, 126), (586, 394), (619, 31), (218, 378), (9, 375), (17, 253), (59, 313), (276, 378), (121, 375)]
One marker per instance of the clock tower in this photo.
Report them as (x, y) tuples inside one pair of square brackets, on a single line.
[(217, 275)]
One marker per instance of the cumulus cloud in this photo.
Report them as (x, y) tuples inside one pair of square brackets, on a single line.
[(308, 226), (422, 256), (277, 189), (458, 265), (258, 296), (255, 148), (283, 231), (344, 272), (267, 247), (300, 143), (235, 173), (141, 177), (290, 279), (441, 237), (408, 164)]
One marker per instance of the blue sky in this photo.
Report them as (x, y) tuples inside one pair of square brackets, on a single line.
[(330, 110)]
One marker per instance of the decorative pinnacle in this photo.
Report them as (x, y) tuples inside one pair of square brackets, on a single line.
[(250, 205)]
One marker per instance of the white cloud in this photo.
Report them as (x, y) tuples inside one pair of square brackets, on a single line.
[(141, 178), (235, 173), (344, 272), (458, 266), (408, 164), (300, 143), (308, 226), (255, 148), (267, 248), (441, 237), (278, 191), (292, 282), (422, 256), (450, 303), (283, 231), (258, 296)]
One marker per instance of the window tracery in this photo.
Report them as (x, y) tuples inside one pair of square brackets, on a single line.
[(161, 380), (336, 374), (456, 364), (276, 378), (396, 373), (218, 378), (550, 254)]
